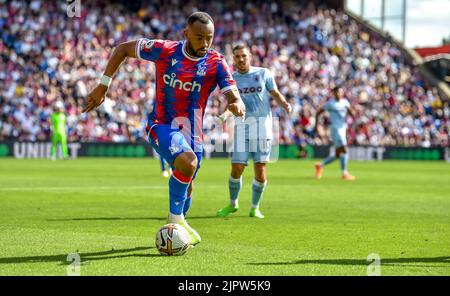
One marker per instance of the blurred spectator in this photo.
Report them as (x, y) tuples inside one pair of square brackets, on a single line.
[(47, 56)]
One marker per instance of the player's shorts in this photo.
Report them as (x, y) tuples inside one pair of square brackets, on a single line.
[(170, 142), (258, 150), (59, 138), (339, 137)]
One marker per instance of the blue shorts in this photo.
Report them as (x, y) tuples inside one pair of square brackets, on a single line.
[(258, 150), (170, 142), (339, 137)]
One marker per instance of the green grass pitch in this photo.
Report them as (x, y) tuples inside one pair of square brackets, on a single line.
[(108, 211)]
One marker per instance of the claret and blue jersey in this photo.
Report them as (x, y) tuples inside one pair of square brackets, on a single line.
[(253, 136), (338, 110)]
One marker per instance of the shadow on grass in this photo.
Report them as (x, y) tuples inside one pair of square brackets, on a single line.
[(384, 261), (135, 218), (93, 256)]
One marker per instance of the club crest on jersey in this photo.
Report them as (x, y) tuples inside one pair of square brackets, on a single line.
[(257, 78), (201, 70)]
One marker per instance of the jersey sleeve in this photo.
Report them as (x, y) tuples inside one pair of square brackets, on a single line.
[(347, 103), (149, 49), (270, 81), (224, 78)]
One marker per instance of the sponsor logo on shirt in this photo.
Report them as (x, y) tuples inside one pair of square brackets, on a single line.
[(176, 83), (249, 90)]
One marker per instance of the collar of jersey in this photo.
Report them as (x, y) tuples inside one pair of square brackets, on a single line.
[(249, 71), (187, 55)]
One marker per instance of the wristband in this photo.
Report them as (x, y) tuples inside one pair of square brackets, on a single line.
[(106, 80)]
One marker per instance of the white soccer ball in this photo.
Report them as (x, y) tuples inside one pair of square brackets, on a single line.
[(172, 240)]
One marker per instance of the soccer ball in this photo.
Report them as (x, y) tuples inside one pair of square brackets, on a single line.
[(172, 240)]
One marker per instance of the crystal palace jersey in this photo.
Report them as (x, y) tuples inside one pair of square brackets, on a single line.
[(183, 82)]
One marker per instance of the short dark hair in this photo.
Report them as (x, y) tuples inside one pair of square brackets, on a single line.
[(200, 16), (240, 46), (336, 88)]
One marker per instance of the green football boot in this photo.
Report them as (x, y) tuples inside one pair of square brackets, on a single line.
[(256, 213), (227, 210), (194, 237)]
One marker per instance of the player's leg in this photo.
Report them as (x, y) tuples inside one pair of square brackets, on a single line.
[(162, 162), (234, 187), (188, 202), (165, 172), (239, 161), (235, 183), (63, 140), (260, 158), (172, 146), (54, 146), (169, 167), (320, 166), (185, 167), (258, 187), (342, 153)]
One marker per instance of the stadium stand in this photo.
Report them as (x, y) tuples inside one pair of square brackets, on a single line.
[(47, 56)]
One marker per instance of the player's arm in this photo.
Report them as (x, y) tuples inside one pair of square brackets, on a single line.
[(228, 88), (351, 111), (318, 113), (120, 53), (235, 103), (281, 100)]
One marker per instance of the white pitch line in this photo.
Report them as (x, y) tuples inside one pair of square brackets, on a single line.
[(81, 188), (87, 188)]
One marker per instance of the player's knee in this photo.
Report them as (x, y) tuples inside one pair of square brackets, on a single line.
[(261, 177), (340, 150), (190, 165), (236, 174), (260, 173), (237, 170)]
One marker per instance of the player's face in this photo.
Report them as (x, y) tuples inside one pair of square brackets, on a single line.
[(199, 38), (242, 59), (339, 93)]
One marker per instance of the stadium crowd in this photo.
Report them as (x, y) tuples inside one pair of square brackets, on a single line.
[(48, 56)]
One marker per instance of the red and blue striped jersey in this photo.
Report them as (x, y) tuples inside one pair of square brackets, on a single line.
[(183, 82)]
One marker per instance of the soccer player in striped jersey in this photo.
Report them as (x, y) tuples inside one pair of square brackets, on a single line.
[(256, 85), (186, 73)]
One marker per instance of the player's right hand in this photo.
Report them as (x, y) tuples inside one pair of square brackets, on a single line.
[(95, 98), (238, 109)]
